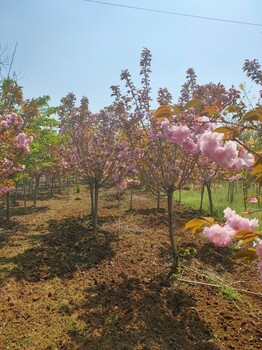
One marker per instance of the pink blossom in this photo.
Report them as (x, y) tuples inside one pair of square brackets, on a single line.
[(122, 185), (23, 142), (220, 236), (226, 154), (190, 146), (165, 127), (253, 200), (248, 158), (224, 98), (209, 142), (6, 189), (179, 134), (4, 124), (237, 222), (259, 249)]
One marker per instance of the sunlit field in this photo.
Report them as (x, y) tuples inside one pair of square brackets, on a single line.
[(220, 197)]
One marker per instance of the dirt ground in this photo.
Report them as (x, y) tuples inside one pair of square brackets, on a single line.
[(63, 288)]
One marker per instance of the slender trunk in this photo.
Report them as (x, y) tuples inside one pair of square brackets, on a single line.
[(30, 188), (36, 189), (171, 228), (8, 208), (52, 187), (232, 191), (59, 185), (179, 196), (158, 201), (16, 190), (202, 197), (24, 192), (209, 192), (245, 195), (91, 189), (95, 211), (259, 194), (131, 199)]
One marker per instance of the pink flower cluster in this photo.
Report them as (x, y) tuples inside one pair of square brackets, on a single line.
[(6, 189), (11, 120), (23, 142), (201, 137), (226, 154), (222, 235), (252, 200), (180, 134), (237, 222)]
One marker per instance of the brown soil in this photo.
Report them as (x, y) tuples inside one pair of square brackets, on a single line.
[(63, 288)]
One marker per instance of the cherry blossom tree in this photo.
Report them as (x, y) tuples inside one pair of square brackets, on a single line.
[(95, 147)]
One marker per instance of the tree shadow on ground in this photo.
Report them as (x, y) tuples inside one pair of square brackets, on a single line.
[(17, 211), (112, 206), (208, 253), (127, 313), (147, 211), (220, 258), (8, 229), (68, 246)]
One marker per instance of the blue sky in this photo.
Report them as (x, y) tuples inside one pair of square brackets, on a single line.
[(74, 45)]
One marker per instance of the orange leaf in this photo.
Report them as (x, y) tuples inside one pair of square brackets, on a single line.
[(163, 112), (248, 254), (242, 233), (192, 103), (247, 240), (208, 218), (211, 110)]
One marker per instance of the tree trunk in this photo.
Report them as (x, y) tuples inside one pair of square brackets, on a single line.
[(131, 199), (8, 209), (209, 192), (16, 191), (36, 189), (231, 192), (91, 189), (179, 196), (259, 195), (24, 192), (202, 197), (158, 201), (59, 185), (95, 209), (52, 187), (245, 192), (171, 228)]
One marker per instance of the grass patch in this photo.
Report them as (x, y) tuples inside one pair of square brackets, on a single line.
[(230, 293), (192, 197), (225, 289)]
